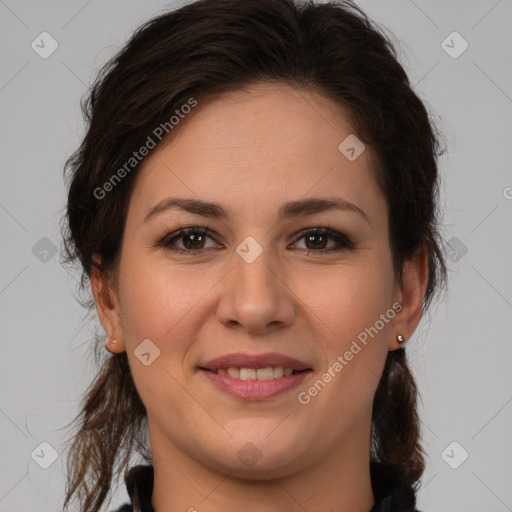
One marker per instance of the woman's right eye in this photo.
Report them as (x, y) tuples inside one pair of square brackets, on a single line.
[(193, 240)]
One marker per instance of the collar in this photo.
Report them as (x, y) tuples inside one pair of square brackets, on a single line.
[(391, 495)]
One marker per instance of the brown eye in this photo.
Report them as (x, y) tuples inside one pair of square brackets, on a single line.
[(316, 241), (193, 241), (187, 241)]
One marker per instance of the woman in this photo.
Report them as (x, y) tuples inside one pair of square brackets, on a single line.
[(254, 205)]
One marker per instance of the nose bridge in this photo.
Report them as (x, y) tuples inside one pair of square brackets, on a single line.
[(255, 269), (256, 296)]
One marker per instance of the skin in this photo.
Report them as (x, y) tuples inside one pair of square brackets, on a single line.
[(251, 151)]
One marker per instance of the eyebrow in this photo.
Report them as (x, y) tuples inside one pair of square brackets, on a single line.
[(288, 210)]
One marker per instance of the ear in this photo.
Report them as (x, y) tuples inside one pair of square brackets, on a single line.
[(107, 306), (410, 293)]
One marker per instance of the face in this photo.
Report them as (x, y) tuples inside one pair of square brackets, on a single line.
[(271, 283)]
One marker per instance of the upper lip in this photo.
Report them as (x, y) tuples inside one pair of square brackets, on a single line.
[(254, 361)]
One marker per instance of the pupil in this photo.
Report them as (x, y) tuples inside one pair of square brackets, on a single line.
[(312, 237), (194, 237)]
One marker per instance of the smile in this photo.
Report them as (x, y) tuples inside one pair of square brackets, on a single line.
[(255, 376), (267, 373)]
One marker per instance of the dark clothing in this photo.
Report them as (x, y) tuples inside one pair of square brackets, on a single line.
[(389, 493)]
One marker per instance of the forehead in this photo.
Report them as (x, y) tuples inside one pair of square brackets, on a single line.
[(287, 119), (255, 147)]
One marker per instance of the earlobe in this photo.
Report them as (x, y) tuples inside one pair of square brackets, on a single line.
[(111, 346), (411, 295)]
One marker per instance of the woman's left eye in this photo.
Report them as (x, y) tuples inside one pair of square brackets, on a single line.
[(193, 241), (317, 239)]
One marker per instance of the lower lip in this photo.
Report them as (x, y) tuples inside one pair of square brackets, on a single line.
[(255, 389)]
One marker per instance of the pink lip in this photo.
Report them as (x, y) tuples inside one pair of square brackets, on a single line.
[(254, 361), (254, 389)]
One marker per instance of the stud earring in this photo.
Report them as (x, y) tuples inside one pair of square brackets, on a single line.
[(114, 341), (400, 339)]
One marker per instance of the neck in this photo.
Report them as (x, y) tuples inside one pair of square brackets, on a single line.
[(340, 480)]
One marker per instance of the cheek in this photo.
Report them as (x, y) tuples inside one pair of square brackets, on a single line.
[(157, 303), (155, 300), (347, 300), (352, 311)]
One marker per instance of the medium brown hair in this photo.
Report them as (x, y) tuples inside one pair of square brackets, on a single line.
[(202, 50)]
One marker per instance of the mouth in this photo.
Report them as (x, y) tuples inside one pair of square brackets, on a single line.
[(267, 373), (255, 377)]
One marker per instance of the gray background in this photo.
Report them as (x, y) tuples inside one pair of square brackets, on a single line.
[(462, 357)]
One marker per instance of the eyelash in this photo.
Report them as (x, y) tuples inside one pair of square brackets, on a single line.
[(344, 241)]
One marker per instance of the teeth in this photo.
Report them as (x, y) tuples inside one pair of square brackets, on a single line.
[(278, 372), (247, 374), (267, 373), (234, 372)]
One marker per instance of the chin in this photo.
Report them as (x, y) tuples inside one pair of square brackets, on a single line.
[(258, 457)]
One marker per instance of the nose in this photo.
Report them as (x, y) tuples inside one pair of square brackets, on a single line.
[(255, 296)]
